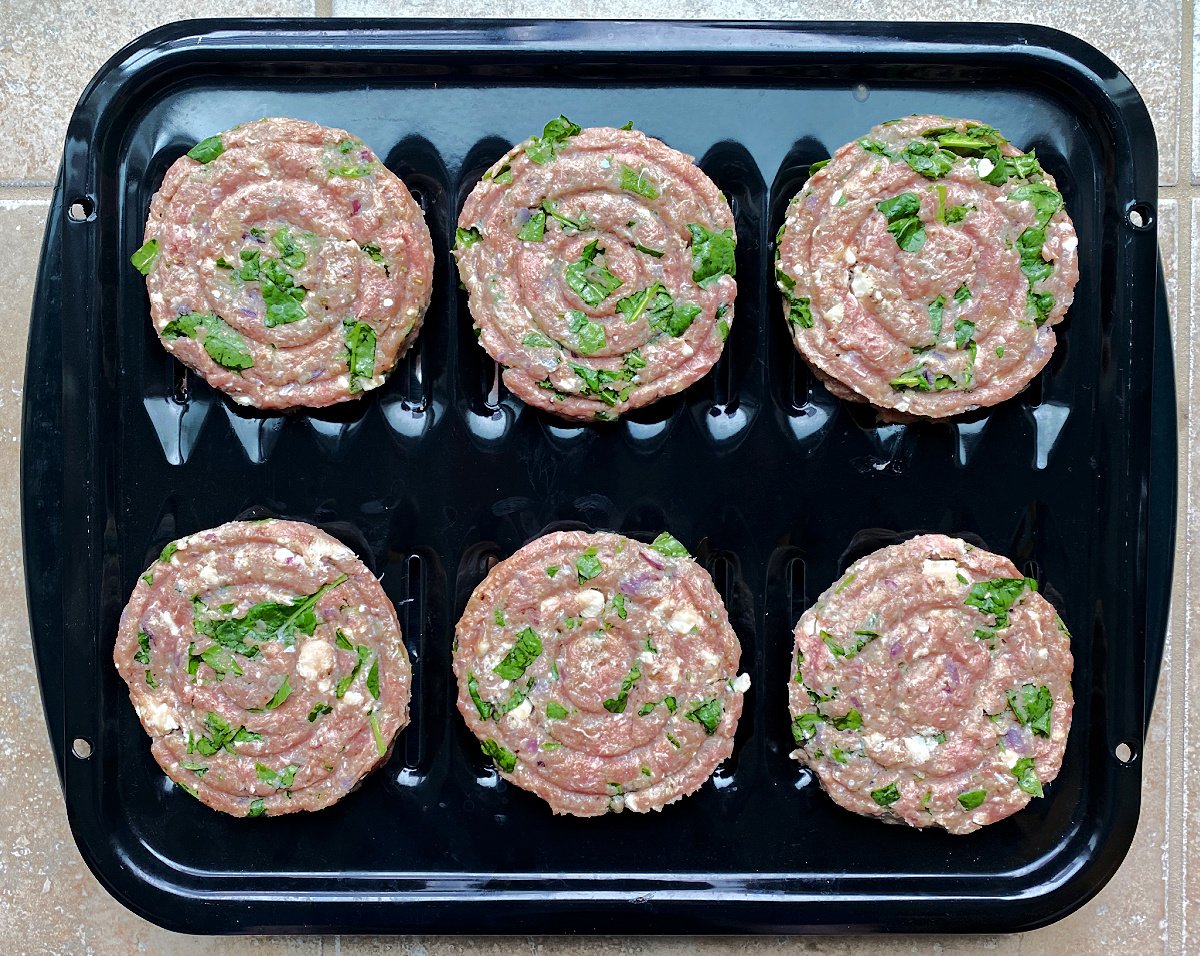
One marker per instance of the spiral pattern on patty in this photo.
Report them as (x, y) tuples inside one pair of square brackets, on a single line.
[(599, 264), (286, 264), (266, 663), (924, 267), (600, 672), (932, 685)]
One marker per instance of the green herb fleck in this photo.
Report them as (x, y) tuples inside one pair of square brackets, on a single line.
[(284, 692), (555, 710)]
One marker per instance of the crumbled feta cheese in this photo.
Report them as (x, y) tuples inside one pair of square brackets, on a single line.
[(353, 698), (919, 749), (835, 313), (315, 659), (591, 602), (836, 197), (861, 282), (945, 571), (159, 717), (521, 712), (741, 683), (1070, 244), (684, 620), (985, 167), (1009, 757), (849, 256)]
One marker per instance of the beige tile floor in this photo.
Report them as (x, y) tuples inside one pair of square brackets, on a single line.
[(49, 902)]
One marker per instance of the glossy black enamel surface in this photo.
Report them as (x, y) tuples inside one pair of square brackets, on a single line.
[(773, 484)]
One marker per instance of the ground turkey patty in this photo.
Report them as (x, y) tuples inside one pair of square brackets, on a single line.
[(285, 264), (600, 672), (932, 685), (924, 267), (265, 661), (600, 268)]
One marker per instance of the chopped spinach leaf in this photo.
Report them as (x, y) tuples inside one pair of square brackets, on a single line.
[(284, 692), (616, 705), (852, 721), (207, 150), (592, 283), (221, 341), (886, 796), (904, 223), (818, 166), (523, 653), (143, 654), (669, 546), (146, 256), (1032, 707), (534, 229), (380, 743), (937, 310), (712, 254), (465, 238), (505, 759), (360, 339), (708, 714), (257, 808), (481, 705), (556, 711), (590, 335), (997, 597), (927, 159), (971, 799), (555, 134), (319, 710), (874, 146), (964, 331), (1027, 778), (587, 565), (635, 181)]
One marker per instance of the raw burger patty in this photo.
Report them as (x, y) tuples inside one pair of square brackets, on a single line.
[(600, 672), (265, 661), (285, 264), (932, 685), (600, 267), (924, 268)]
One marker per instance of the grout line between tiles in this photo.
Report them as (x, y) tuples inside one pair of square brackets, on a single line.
[(1187, 228), (1187, 95)]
